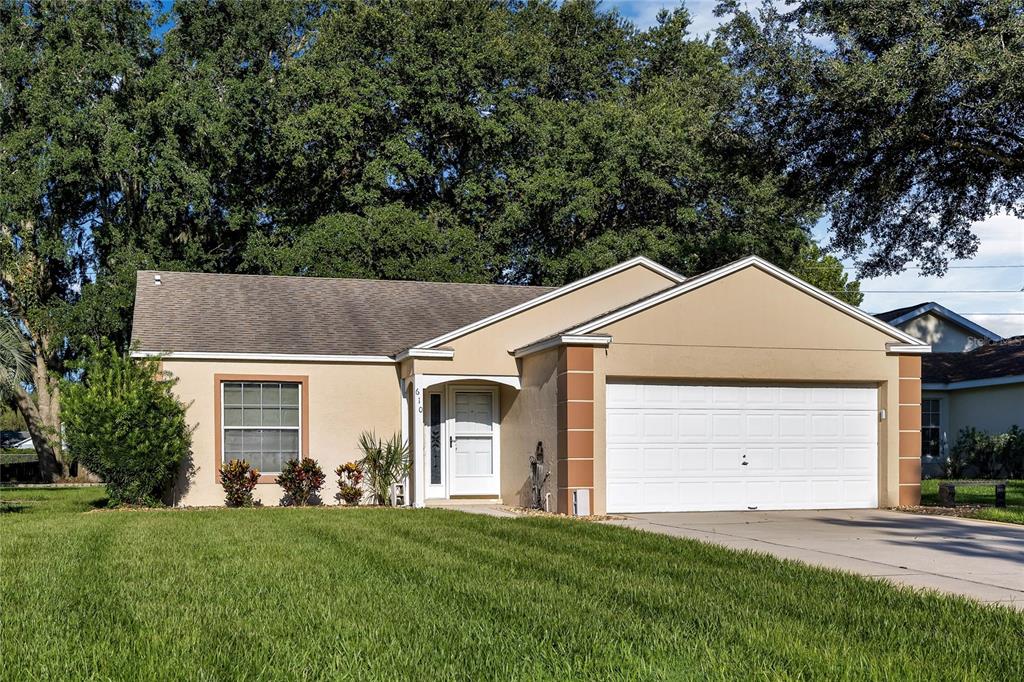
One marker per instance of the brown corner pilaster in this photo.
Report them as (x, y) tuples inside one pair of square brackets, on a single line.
[(575, 460), (910, 430)]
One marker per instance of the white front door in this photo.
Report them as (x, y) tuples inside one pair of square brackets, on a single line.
[(472, 442), (677, 447)]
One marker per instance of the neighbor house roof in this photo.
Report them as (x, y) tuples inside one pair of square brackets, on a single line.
[(900, 315), (249, 314), (1003, 358)]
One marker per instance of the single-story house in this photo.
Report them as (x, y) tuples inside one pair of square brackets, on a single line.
[(634, 389), (972, 379)]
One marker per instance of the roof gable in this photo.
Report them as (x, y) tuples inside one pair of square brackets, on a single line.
[(638, 261), (762, 265), (904, 315)]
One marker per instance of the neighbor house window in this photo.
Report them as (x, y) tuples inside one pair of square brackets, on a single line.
[(261, 423), (931, 433)]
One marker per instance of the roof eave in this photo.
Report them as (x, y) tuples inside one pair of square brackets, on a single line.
[(596, 340)]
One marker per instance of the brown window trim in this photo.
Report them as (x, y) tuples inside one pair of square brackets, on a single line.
[(218, 437)]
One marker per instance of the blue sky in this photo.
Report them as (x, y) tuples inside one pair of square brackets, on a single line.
[(1002, 237)]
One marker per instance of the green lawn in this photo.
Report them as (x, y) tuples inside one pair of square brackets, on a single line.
[(431, 594), (1013, 513)]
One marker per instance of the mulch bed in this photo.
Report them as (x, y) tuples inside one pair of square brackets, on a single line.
[(960, 510)]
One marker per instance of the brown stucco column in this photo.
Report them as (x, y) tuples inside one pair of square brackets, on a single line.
[(575, 425), (910, 430)]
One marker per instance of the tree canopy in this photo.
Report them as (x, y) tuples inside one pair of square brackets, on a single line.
[(514, 142), (906, 120)]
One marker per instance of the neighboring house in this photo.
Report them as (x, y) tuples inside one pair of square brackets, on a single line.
[(944, 330), (740, 388), (973, 378)]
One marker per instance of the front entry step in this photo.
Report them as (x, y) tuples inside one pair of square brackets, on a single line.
[(465, 502)]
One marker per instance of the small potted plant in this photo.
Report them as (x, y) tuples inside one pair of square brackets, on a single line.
[(350, 479)]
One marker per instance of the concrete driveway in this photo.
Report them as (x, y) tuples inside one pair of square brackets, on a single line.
[(977, 559)]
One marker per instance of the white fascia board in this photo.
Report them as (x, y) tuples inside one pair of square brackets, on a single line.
[(943, 311), (563, 340), (736, 266), (551, 295), (428, 380), (262, 357), (434, 353), (974, 383), (907, 349)]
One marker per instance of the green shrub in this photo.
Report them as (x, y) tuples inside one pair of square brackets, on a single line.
[(238, 480), (385, 463), (122, 421), (301, 480), (977, 454), (350, 483)]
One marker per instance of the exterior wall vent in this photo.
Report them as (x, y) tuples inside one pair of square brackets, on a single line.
[(581, 502), (156, 280)]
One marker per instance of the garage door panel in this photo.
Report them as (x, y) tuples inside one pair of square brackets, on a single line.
[(685, 447), (693, 459), (694, 427), (859, 426), (623, 426), (660, 460), (726, 426), (624, 461), (659, 426)]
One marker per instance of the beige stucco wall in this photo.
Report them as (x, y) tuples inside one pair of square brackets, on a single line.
[(486, 351), (994, 408), (752, 327), (529, 417), (944, 336), (344, 400)]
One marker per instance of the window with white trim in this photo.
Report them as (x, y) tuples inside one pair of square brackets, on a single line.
[(261, 423), (931, 429)]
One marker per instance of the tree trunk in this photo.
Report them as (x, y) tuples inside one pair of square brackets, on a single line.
[(51, 464)]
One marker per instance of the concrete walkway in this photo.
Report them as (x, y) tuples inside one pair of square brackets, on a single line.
[(977, 559)]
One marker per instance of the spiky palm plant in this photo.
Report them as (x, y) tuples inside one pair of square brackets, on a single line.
[(385, 463), (14, 359)]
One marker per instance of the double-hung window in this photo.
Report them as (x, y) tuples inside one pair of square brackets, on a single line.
[(261, 423), (931, 428)]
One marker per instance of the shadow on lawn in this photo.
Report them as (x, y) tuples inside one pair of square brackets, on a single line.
[(947, 535), (12, 507)]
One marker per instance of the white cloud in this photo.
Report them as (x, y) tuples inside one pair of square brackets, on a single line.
[(1002, 244)]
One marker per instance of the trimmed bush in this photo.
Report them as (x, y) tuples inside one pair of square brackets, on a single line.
[(350, 483), (385, 463), (302, 480), (123, 422), (238, 480), (977, 454)]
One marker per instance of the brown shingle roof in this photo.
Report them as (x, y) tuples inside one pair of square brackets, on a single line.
[(198, 312), (1000, 359)]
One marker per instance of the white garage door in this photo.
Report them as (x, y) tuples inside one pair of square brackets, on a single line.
[(695, 448)]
